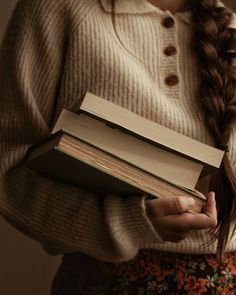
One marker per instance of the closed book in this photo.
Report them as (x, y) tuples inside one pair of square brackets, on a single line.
[(72, 160), (105, 148), (149, 131), (150, 158), (147, 145)]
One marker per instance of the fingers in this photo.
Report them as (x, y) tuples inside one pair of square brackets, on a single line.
[(208, 217), (170, 205), (186, 221), (171, 227), (210, 207), (171, 220), (204, 220)]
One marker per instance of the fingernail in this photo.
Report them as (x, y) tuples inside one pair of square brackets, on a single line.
[(189, 202)]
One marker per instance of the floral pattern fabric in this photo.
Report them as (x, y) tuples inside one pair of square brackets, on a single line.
[(150, 273)]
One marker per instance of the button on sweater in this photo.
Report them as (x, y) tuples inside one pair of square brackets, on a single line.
[(54, 51)]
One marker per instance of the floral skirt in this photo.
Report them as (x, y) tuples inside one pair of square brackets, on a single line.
[(151, 272)]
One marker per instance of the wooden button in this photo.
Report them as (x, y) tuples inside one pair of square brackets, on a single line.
[(171, 80), (170, 50), (168, 22)]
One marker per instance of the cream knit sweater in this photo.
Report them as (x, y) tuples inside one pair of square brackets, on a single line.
[(52, 52)]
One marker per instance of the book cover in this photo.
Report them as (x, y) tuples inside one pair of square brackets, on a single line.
[(150, 131)]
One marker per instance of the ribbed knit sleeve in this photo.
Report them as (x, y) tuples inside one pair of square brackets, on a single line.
[(62, 217)]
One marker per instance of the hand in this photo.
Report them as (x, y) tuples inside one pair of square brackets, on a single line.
[(171, 220)]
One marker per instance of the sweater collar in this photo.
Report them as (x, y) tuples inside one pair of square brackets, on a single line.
[(144, 7), (130, 6), (141, 7)]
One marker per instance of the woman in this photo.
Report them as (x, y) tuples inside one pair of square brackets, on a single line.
[(138, 54)]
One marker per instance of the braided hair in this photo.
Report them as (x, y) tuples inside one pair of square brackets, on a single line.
[(214, 45)]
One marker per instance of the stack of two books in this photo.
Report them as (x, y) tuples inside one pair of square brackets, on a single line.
[(105, 148)]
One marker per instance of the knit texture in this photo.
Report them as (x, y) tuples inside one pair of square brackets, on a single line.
[(54, 51)]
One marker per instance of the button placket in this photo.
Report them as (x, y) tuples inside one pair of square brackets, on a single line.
[(169, 60)]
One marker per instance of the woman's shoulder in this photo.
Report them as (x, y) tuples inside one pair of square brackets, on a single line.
[(54, 11), (60, 6)]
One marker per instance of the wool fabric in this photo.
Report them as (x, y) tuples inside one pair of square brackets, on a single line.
[(55, 50)]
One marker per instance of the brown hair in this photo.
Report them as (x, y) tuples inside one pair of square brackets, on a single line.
[(214, 44)]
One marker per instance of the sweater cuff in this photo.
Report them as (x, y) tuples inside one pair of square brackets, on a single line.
[(128, 224)]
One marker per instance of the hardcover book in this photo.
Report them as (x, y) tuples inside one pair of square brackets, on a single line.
[(107, 149)]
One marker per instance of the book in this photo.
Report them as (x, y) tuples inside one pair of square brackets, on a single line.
[(106, 148), (150, 158), (149, 131), (141, 142), (74, 161)]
